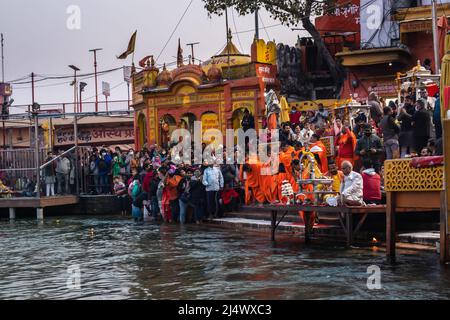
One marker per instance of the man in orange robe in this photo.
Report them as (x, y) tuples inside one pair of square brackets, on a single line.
[(346, 144), (316, 146), (298, 150), (253, 190), (286, 156), (269, 182)]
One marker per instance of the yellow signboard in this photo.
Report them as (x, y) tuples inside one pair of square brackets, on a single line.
[(266, 52), (243, 94), (209, 121)]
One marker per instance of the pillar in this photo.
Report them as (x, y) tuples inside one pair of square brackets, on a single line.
[(390, 226), (40, 213), (12, 213)]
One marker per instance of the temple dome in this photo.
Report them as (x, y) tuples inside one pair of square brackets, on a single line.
[(214, 73), (165, 78), (236, 58)]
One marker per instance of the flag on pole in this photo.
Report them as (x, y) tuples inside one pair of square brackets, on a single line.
[(130, 48)]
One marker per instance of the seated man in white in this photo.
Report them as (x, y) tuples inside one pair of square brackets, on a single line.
[(352, 187)]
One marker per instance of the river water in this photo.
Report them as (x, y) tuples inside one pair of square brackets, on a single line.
[(118, 259)]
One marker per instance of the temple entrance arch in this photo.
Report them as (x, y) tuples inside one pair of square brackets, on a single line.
[(142, 130), (167, 125)]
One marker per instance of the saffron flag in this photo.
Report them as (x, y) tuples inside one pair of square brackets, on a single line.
[(130, 48)]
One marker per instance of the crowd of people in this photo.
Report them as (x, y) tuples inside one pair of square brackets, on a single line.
[(149, 183)]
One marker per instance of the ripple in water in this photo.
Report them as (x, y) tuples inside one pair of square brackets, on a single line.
[(121, 260)]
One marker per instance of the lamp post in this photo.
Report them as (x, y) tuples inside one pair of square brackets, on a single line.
[(82, 86), (95, 74), (75, 126), (74, 83), (35, 112)]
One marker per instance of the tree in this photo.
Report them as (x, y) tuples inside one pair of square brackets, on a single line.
[(289, 12)]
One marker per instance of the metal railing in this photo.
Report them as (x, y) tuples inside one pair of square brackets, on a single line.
[(18, 171), (65, 108)]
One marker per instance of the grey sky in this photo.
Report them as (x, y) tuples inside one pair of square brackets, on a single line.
[(37, 39)]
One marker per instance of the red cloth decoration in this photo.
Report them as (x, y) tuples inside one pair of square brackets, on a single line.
[(432, 90), (427, 162)]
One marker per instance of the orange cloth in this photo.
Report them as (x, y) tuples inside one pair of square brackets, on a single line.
[(269, 185), (171, 186), (286, 158), (347, 145), (272, 123), (253, 184), (322, 155), (298, 154)]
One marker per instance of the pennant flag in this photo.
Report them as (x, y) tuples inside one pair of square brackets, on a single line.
[(131, 46)]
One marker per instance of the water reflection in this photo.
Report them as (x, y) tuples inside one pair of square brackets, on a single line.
[(121, 260)]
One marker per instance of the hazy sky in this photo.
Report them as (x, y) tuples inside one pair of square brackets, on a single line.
[(38, 40)]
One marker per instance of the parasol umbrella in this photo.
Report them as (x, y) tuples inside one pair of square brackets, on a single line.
[(445, 78), (284, 116)]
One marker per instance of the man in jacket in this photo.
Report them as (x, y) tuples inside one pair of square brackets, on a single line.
[(62, 174), (421, 122), (369, 147), (104, 166), (390, 134), (213, 182)]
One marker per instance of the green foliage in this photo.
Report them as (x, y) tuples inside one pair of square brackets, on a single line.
[(288, 12)]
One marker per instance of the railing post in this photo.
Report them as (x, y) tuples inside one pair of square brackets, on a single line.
[(36, 155), (75, 132)]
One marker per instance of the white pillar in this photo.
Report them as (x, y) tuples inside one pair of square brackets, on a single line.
[(12, 213), (40, 213)]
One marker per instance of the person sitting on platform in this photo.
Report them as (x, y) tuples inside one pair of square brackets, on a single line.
[(336, 175), (352, 187), (371, 184), (5, 192)]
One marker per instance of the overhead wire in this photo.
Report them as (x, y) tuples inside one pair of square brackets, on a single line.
[(174, 30), (235, 29)]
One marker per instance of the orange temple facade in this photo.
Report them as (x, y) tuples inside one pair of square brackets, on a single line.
[(215, 93)]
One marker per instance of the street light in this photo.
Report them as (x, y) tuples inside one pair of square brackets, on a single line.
[(74, 83), (75, 125), (95, 73), (82, 86), (35, 112)]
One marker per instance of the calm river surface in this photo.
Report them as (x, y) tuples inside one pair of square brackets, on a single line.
[(120, 260)]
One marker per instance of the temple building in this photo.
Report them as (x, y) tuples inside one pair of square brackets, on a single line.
[(216, 92)]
